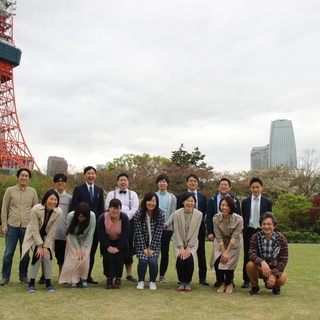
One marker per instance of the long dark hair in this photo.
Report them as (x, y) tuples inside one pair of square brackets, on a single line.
[(143, 206), (84, 209)]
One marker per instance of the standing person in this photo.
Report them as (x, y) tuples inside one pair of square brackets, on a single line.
[(148, 223), (227, 243), (16, 215), (252, 209), (60, 181), (167, 203), (113, 232), (81, 225), (40, 237), (268, 254), (130, 204), (224, 187), (192, 182), (93, 196), (187, 222)]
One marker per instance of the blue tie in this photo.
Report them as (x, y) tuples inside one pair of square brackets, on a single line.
[(91, 194)]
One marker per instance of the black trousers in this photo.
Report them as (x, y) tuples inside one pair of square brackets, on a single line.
[(165, 245), (246, 245), (129, 258), (112, 263), (201, 252), (93, 252), (185, 269)]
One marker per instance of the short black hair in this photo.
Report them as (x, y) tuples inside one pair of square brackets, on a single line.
[(122, 175), (192, 175), (224, 179), (253, 180), (187, 195), (115, 203), (86, 169), (59, 176), (267, 215), (162, 177), (23, 169)]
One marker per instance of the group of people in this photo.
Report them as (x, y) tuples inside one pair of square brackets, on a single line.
[(71, 227)]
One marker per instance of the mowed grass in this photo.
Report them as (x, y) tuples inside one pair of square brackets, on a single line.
[(300, 297)]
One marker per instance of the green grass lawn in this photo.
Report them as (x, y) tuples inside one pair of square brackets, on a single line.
[(300, 297)]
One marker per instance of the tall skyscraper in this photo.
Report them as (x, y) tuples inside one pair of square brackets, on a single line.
[(282, 144), (260, 157)]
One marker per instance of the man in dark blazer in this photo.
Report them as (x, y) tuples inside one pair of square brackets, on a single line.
[(93, 196), (192, 182), (253, 208), (224, 187)]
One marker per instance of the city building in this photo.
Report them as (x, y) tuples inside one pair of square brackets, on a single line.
[(56, 165), (260, 157), (282, 144)]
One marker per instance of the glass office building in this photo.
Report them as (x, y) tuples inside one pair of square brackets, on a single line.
[(260, 157), (282, 145)]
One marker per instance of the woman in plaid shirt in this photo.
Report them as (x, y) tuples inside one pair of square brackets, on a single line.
[(148, 224)]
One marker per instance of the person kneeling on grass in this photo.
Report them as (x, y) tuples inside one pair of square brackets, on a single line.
[(268, 254)]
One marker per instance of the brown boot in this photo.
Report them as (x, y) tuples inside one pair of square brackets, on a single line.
[(117, 284), (109, 283)]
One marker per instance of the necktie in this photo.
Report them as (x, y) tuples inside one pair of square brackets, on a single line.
[(91, 194), (256, 213)]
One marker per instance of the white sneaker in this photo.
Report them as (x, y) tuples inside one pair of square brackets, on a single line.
[(152, 286), (140, 285)]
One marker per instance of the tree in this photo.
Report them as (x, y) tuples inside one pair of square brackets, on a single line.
[(292, 212)]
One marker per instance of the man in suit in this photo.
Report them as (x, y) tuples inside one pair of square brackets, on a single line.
[(253, 208), (93, 196), (224, 188), (192, 182)]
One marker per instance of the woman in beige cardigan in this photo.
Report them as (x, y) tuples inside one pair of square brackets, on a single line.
[(187, 222), (40, 237), (227, 243)]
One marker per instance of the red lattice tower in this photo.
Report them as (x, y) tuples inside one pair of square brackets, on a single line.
[(14, 152)]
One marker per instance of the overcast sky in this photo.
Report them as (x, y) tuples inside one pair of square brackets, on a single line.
[(99, 79)]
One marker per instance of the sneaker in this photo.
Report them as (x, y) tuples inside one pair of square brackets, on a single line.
[(50, 288), (31, 289), (254, 291), (85, 285), (24, 280), (276, 291), (73, 286), (42, 280), (140, 285), (163, 279), (4, 281), (152, 286)]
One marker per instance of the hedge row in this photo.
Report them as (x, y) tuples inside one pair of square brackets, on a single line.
[(301, 237)]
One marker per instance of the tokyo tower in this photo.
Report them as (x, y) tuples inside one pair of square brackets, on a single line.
[(14, 152)]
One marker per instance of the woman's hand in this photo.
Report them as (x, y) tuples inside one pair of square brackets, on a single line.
[(42, 252), (225, 257), (184, 253), (80, 254)]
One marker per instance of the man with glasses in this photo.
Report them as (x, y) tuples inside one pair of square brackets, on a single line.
[(130, 204), (16, 215)]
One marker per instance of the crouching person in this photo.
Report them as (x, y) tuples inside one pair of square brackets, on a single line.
[(268, 255)]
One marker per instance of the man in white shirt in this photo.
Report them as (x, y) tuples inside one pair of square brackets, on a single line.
[(130, 204)]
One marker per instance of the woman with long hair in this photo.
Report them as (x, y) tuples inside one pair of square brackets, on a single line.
[(187, 221), (113, 234), (40, 237), (148, 224), (81, 224), (227, 243)]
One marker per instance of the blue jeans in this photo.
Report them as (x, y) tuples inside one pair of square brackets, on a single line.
[(153, 268), (14, 234)]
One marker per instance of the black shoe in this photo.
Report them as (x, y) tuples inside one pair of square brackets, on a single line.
[(217, 284), (245, 285), (254, 291), (42, 280), (276, 291), (131, 278), (204, 282), (90, 280)]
